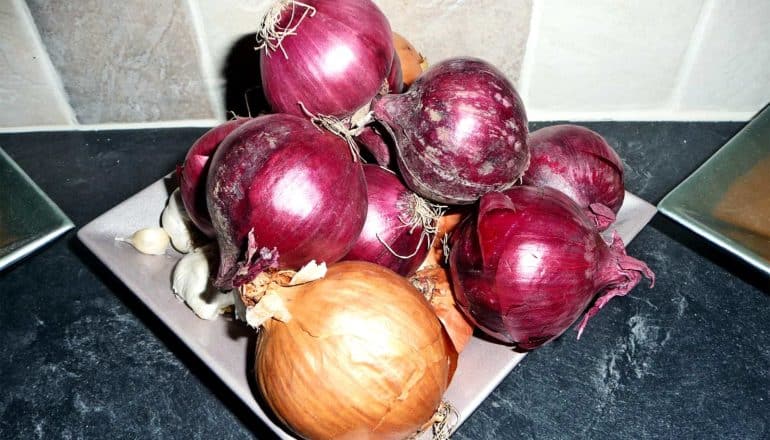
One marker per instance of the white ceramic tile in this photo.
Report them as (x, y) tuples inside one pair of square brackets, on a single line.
[(122, 61), (494, 30), (608, 55), (227, 31), (29, 92), (731, 66), (227, 21)]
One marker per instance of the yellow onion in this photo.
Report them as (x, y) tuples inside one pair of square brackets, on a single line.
[(433, 282), (413, 63), (358, 353), (444, 227)]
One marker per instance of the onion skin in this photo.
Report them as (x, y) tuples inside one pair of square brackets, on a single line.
[(363, 356), (446, 225), (460, 131), (293, 186), (395, 78), (580, 163), (410, 59), (387, 200), (335, 64), (192, 175), (527, 266), (433, 283), (373, 139)]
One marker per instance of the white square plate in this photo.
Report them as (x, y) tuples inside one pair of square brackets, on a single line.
[(223, 344)]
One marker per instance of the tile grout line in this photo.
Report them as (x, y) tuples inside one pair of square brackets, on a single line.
[(527, 64), (206, 61), (662, 114), (690, 55), (180, 123), (47, 66)]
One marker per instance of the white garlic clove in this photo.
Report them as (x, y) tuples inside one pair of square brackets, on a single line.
[(191, 282), (177, 223), (151, 241)]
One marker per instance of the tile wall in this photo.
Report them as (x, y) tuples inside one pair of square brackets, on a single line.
[(100, 63)]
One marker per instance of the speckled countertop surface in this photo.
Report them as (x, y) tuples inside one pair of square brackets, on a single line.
[(81, 357)]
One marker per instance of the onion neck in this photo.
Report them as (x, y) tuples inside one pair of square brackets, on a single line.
[(618, 274)]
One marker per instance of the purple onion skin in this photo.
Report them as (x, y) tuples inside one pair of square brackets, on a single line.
[(580, 163), (386, 195), (460, 131), (293, 186), (374, 141), (527, 266), (337, 61), (395, 76), (192, 174)]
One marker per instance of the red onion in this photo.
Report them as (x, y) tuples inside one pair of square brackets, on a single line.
[(460, 131), (399, 224), (192, 175), (375, 140), (531, 262), (395, 79), (331, 55), (581, 164), (280, 193)]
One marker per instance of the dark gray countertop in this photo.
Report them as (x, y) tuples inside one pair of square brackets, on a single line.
[(81, 357)]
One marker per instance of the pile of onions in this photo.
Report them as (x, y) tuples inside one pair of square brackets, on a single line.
[(282, 192), (580, 163), (530, 262), (356, 354), (399, 224), (193, 173), (460, 131), (360, 350), (333, 56)]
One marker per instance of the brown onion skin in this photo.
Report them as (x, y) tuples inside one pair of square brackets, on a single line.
[(335, 64), (297, 188), (410, 59), (580, 163), (529, 264), (363, 356), (460, 131)]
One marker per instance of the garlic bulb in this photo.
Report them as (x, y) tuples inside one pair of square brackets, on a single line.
[(177, 223), (151, 241), (191, 283)]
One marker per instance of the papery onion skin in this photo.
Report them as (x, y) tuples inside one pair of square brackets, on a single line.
[(192, 174), (410, 59), (433, 282), (527, 266), (363, 356), (336, 62), (580, 163), (460, 131), (388, 208), (293, 187)]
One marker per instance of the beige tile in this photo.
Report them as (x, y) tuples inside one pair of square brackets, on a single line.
[(29, 93), (606, 55), (125, 61), (493, 30), (731, 64), (228, 29)]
